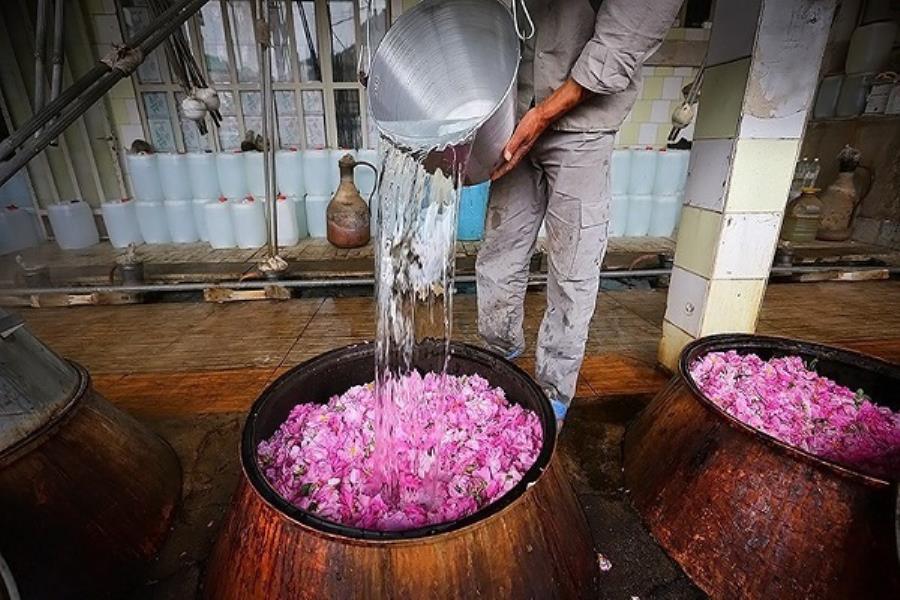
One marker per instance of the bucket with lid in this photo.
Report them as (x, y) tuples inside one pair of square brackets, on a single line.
[(446, 69)]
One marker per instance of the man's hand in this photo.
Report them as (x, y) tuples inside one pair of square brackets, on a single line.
[(569, 95), (523, 138)]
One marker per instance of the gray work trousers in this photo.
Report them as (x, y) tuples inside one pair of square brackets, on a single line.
[(565, 180)]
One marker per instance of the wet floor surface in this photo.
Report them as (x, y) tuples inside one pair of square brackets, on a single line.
[(191, 371)]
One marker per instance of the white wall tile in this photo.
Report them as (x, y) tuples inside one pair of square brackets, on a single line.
[(660, 111), (647, 134), (784, 70), (746, 245), (683, 72), (672, 88), (687, 300), (129, 133), (708, 173)]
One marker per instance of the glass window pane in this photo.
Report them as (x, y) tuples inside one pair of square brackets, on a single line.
[(307, 41), (251, 103), (226, 103), (314, 118), (349, 122), (288, 123), (215, 49), (240, 18), (136, 15), (343, 39), (156, 107), (230, 134), (282, 68)]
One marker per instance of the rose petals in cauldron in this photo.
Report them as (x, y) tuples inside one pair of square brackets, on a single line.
[(322, 458), (787, 400)]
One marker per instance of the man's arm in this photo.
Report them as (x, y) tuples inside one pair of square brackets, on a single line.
[(625, 34)]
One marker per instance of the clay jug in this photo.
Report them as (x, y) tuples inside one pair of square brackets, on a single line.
[(347, 216), (840, 199)]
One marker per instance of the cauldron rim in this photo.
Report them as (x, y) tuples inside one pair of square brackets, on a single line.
[(745, 342), (431, 533)]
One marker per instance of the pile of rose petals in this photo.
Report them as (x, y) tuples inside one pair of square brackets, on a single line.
[(786, 399), (322, 459)]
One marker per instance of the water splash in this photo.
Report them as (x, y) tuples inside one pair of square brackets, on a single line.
[(415, 263)]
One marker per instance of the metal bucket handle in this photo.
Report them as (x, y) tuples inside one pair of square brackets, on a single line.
[(515, 15)]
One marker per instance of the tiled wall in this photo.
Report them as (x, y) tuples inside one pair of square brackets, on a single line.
[(650, 120)]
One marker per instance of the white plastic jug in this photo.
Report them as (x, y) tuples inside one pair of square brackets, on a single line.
[(17, 229), (232, 174), (15, 191), (300, 211), (643, 171), (180, 217), (289, 172), (120, 218), (256, 175), (198, 205), (315, 215), (175, 176), (640, 207), (144, 173), (671, 171), (204, 175), (870, 47), (363, 176), (287, 221), (334, 170), (151, 218), (219, 224), (620, 170), (317, 172), (248, 216), (666, 208), (73, 225), (618, 215)]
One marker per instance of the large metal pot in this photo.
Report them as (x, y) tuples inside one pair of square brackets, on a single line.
[(748, 516), (448, 60), (533, 542)]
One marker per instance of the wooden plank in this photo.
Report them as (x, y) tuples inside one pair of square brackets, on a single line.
[(270, 292)]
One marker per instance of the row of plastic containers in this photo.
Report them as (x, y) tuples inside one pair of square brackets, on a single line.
[(159, 177)]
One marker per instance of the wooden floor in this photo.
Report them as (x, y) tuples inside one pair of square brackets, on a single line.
[(153, 358), (191, 370)]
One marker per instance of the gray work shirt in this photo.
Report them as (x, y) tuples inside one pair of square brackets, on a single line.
[(602, 49)]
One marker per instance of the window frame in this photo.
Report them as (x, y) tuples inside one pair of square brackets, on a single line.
[(327, 86)]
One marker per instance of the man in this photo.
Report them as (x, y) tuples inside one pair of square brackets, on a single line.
[(578, 79)]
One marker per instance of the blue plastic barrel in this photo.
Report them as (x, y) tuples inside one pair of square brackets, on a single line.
[(472, 211)]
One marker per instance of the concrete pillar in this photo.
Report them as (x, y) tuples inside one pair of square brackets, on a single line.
[(762, 70)]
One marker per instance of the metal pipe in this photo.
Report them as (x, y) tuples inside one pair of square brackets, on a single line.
[(264, 38), (56, 76), (40, 54), (59, 9), (534, 280), (92, 91)]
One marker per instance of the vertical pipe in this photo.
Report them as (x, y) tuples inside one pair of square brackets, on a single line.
[(40, 54), (57, 58), (264, 38)]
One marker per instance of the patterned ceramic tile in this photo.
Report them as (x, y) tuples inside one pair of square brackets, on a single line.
[(161, 135), (285, 102), (156, 105), (251, 103)]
